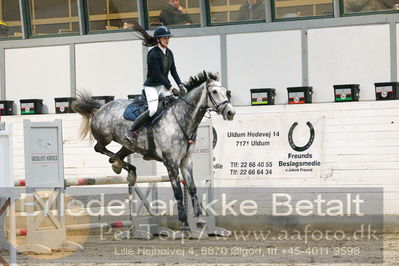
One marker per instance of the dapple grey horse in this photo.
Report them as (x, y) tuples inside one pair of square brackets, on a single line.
[(173, 134)]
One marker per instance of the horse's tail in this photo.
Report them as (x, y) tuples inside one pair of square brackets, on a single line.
[(87, 107)]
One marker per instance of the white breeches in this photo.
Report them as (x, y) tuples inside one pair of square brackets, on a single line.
[(153, 94)]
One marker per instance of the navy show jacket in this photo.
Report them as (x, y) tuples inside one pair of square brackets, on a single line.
[(159, 66)]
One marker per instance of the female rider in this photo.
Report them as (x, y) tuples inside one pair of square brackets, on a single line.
[(159, 61)]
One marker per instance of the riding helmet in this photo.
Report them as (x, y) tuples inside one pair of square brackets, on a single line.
[(162, 31)]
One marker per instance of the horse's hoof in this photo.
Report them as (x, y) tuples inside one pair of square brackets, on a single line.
[(117, 170), (187, 234), (186, 231), (131, 178), (197, 213)]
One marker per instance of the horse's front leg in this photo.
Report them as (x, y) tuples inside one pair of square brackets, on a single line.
[(117, 159), (186, 168), (131, 169), (173, 171)]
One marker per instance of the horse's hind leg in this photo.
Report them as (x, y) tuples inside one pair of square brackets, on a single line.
[(117, 159)]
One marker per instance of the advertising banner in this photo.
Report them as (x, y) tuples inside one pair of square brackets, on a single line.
[(265, 146)]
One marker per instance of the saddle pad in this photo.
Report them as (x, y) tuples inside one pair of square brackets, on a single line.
[(135, 108)]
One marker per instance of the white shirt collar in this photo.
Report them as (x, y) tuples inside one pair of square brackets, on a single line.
[(163, 49)]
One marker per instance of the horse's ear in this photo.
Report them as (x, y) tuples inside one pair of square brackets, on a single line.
[(217, 76), (206, 76)]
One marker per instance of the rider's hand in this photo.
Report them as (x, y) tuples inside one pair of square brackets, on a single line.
[(175, 91)]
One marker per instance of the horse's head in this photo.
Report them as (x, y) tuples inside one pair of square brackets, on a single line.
[(218, 99)]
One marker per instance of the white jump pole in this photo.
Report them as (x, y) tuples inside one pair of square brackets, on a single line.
[(107, 180), (111, 180), (93, 226)]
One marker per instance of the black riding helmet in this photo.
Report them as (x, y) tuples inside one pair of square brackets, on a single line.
[(162, 31)]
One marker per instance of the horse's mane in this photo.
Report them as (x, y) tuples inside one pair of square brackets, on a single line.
[(195, 81)]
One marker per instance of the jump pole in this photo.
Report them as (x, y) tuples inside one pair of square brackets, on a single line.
[(93, 226), (107, 180)]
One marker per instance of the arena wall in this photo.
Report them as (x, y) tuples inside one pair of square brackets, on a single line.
[(263, 60), (356, 144), (347, 55), (110, 68), (318, 57), (38, 73), (195, 54)]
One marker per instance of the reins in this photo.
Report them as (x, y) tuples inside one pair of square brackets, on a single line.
[(190, 140)]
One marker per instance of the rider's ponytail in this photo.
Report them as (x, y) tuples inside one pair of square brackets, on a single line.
[(147, 39)]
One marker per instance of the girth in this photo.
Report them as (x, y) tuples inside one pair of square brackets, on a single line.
[(164, 104)]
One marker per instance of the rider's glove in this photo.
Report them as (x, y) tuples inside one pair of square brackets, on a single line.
[(175, 92)]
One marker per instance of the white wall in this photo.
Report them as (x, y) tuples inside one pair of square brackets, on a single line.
[(397, 47), (110, 68), (263, 60), (354, 54), (358, 141), (195, 54), (359, 147), (348, 55), (38, 73)]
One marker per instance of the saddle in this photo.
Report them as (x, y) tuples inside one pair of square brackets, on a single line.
[(139, 105)]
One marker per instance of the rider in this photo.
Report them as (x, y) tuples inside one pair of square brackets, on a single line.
[(159, 61)]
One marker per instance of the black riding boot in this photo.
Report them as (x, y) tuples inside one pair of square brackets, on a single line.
[(132, 133)]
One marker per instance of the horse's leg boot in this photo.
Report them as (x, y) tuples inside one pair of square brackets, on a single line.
[(132, 133)]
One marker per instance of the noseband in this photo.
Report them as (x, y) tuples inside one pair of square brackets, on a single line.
[(217, 105)]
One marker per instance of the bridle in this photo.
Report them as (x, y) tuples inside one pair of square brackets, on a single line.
[(191, 139), (216, 105)]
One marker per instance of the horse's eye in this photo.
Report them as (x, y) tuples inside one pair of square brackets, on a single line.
[(214, 92)]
